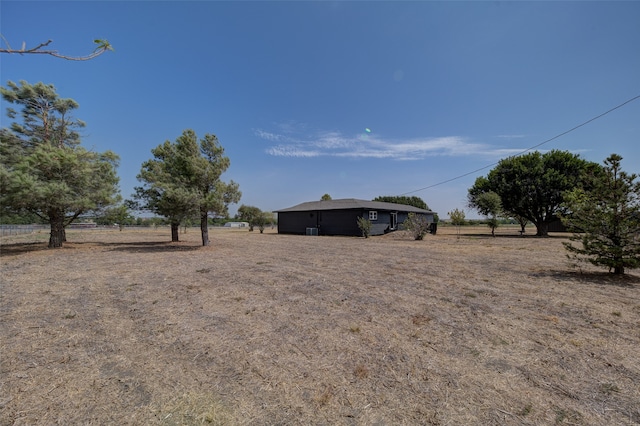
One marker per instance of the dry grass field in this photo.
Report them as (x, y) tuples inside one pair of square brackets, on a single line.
[(126, 328)]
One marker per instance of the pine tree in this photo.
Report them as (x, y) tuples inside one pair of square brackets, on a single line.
[(606, 219), (43, 169), (183, 180)]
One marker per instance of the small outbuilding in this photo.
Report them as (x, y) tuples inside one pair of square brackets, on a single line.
[(236, 225), (340, 217)]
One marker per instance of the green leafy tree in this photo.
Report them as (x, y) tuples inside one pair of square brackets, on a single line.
[(325, 197), (417, 225), (457, 219), (532, 186), (183, 180), (489, 205), (250, 214), (263, 220), (118, 214), (43, 169), (606, 219), (403, 199), (364, 225)]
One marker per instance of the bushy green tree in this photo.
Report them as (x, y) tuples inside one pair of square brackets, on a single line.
[(606, 219), (183, 180), (326, 197), (250, 214), (118, 214), (43, 169), (532, 186), (489, 205), (263, 220)]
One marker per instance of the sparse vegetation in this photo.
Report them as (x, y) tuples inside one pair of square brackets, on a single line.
[(417, 225), (289, 329), (457, 219), (192, 409), (361, 371)]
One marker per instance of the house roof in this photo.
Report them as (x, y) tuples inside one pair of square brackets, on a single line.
[(351, 203)]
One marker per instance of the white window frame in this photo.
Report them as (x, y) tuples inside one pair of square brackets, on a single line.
[(373, 215)]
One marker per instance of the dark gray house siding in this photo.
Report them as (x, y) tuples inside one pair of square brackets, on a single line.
[(339, 217)]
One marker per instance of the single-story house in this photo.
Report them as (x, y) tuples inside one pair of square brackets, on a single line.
[(339, 217)]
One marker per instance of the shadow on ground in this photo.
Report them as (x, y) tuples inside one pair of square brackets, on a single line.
[(597, 278), (133, 247)]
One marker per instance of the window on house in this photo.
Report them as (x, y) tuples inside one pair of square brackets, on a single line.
[(373, 215)]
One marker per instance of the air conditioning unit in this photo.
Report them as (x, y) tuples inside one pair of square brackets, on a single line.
[(312, 231)]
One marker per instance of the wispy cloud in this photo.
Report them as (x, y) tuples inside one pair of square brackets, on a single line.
[(370, 145), (512, 136), (274, 137)]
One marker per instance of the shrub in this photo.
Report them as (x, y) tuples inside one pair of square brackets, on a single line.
[(417, 225), (365, 226)]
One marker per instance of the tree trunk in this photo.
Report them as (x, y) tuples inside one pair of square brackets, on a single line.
[(57, 236), (204, 228), (175, 227), (542, 229)]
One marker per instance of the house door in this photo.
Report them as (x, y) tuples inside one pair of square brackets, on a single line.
[(394, 220)]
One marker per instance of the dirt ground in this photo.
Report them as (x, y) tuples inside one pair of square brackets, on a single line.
[(264, 329)]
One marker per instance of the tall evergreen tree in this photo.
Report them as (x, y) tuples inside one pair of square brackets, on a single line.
[(606, 219), (183, 180), (164, 191), (43, 169)]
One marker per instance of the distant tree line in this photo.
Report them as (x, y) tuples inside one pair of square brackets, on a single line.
[(47, 176)]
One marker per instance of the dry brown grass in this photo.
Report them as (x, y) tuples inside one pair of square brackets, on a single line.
[(127, 328)]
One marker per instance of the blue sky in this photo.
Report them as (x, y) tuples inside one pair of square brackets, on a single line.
[(354, 99)]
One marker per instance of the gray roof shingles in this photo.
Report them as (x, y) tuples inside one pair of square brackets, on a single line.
[(351, 203)]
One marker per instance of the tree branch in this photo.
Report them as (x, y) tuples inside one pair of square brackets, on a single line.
[(103, 46)]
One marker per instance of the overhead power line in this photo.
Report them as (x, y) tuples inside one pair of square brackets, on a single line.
[(530, 148)]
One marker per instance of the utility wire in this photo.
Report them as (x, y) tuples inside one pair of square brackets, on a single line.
[(528, 149)]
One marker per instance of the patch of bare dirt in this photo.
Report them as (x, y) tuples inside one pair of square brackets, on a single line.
[(127, 328)]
